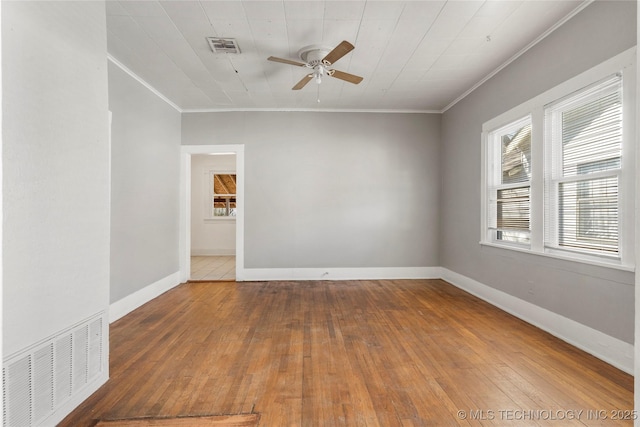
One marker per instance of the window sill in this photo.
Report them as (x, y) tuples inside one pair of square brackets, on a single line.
[(590, 260), (220, 219)]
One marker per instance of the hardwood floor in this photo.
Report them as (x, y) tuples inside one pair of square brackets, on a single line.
[(349, 353)]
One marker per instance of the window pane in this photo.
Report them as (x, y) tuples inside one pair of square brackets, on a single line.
[(516, 155), (224, 206), (513, 236), (513, 209), (223, 212), (590, 142), (592, 134), (224, 184), (589, 214), (224, 195)]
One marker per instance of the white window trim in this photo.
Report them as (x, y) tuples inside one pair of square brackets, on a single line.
[(624, 63), (493, 176), (208, 173)]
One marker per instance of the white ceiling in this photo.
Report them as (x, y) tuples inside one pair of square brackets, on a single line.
[(413, 55)]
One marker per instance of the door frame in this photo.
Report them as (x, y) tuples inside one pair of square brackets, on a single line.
[(186, 151)]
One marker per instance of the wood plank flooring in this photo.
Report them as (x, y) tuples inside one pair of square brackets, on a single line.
[(349, 353)]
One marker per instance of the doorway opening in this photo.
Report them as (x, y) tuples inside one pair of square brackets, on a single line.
[(212, 212), (213, 216)]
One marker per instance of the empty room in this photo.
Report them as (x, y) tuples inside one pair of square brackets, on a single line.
[(319, 213)]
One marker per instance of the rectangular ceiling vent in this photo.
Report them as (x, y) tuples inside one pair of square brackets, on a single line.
[(219, 45)]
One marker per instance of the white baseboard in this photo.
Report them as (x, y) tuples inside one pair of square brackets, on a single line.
[(605, 347), (372, 273), (213, 252), (129, 303)]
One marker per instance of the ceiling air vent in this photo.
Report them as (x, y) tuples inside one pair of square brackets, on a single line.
[(219, 45)]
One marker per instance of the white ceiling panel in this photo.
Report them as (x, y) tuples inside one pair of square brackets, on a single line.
[(424, 12), (450, 62), (376, 29), (264, 10), (267, 47), (448, 26), (129, 31), (303, 10), (461, 8), (411, 30), (347, 10), (383, 79), (336, 30), (427, 52), (198, 28), (480, 26), (413, 55), (160, 28), (257, 85), (304, 32), (410, 74), (183, 9), (223, 10), (497, 8), (196, 99), (268, 29), (445, 74), (238, 29), (465, 46), (143, 8), (375, 10)]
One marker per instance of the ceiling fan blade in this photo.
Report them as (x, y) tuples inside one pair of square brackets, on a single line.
[(286, 61), (302, 83), (338, 52), (351, 78)]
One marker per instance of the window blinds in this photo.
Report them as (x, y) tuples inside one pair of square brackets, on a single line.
[(513, 211), (509, 194), (586, 147)]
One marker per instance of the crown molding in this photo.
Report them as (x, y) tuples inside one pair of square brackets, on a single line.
[(308, 110), (140, 80)]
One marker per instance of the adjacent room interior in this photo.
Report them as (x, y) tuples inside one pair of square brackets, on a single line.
[(190, 229), (213, 217)]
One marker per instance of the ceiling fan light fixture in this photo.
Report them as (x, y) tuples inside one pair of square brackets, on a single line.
[(321, 59), (313, 54)]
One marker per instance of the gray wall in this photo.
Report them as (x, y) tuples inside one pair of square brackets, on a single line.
[(145, 166), (333, 189), (55, 168), (597, 297)]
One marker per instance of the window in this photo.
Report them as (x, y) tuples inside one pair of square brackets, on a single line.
[(558, 176), (585, 138), (510, 182), (223, 194)]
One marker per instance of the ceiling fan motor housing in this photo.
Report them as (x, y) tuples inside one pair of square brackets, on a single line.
[(314, 54)]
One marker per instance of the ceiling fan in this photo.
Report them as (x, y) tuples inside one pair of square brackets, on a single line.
[(320, 59)]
